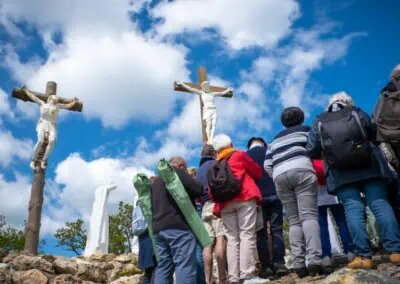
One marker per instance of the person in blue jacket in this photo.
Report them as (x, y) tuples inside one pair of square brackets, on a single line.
[(272, 212), (348, 184)]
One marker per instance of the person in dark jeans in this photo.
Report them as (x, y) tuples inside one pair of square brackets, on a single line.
[(371, 180), (272, 211), (147, 261), (175, 242)]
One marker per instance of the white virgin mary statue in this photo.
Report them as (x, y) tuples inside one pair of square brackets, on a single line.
[(97, 240)]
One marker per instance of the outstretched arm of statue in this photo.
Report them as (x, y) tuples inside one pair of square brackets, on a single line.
[(69, 105), (227, 91), (188, 88), (33, 97)]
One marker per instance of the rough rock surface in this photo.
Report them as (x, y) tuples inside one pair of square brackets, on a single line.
[(26, 269)]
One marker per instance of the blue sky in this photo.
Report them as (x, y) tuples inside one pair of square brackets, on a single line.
[(121, 58)]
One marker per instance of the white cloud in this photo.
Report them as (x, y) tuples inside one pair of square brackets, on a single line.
[(12, 148), (75, 183), (242, 23), (14, 199), (5, 109), (116, 71)]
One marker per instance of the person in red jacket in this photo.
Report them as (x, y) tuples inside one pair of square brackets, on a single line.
[(239, 214)]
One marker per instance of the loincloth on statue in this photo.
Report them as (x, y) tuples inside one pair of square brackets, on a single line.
[(210, 114), (47, 129)]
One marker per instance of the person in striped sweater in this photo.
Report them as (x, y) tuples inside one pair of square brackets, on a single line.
[(289, 165)]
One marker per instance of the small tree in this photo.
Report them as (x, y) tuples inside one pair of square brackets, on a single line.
[(11, 238), (72, 236), (120, 229)]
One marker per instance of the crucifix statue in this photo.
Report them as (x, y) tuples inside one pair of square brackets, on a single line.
[(46, 129), (207, 96)]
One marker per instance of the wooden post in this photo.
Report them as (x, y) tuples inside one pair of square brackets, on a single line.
[(32, 230)]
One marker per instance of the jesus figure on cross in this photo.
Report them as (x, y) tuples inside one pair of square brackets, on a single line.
[(47, 124), (209, 109)]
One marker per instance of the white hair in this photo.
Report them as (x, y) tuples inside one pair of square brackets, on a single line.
[(341, 97), (221, 141), (395, 72)]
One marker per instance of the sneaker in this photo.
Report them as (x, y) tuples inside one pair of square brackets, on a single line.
[(314, 269), (301, 272), (256, 280), (360, 262), (395, 258), (326, 265), (281, 269), (266, 273)]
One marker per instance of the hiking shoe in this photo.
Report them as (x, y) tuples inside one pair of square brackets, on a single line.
[(395, 258), (301, 272), (326, 265), (266, 273), (360, 262), (281, 269), (256, 280), (339, 259), (314, 269)]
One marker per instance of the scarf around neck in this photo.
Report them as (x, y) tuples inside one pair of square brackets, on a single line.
[(225, 152)]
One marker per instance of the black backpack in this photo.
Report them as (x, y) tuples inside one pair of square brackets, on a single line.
[(224, 186), (344, 141), (387, 117)]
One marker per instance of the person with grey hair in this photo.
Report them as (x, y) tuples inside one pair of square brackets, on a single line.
[(239, 214), (175, 242), (343, 136)]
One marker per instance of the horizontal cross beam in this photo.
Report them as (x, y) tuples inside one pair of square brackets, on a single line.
[(195, 86), (20, 94)]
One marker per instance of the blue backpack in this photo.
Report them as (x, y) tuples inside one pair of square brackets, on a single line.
[(139, 225)]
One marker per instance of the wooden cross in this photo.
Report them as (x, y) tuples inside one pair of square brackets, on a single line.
[(32, 228), (202, 77)]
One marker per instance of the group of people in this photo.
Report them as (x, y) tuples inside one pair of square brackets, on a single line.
[(337, 167)]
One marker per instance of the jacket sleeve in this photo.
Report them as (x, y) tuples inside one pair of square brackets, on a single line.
[(268, 162), (369, 125), (314, 146), (192, 186), (252, 168)]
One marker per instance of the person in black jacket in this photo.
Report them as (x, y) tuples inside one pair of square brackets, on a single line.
[(175, 242), (272, 212)]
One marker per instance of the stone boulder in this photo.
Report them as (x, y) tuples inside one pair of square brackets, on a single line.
[(25, 262), (32, 276), (68, 279), (3, 254), (5, 273), (93, 271), (124, 258), (136, 279), (358, 276), (65, 266)]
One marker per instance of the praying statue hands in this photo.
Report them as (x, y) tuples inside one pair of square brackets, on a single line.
[(209, 109), (47, 125)]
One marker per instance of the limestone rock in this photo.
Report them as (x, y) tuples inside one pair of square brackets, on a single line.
[(65, 266), (136, 279), (68, 279), (25, 262), (389, 270), (5, 273), (3, 254), (124, 258), (102, 257), (96, 272), (356, 276), (32, 276), (116, 272)]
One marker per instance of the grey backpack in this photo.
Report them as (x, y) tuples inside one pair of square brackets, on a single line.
[(387, 117)]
